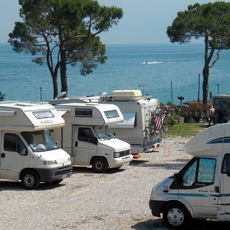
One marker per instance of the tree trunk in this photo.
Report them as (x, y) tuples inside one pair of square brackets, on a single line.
[(63, 75), (206, 72), (55, 85), (205, 84), (208, 57)]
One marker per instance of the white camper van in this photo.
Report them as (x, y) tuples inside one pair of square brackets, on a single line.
[(27, 152), (143, 119), (88, 138), (202, 188)]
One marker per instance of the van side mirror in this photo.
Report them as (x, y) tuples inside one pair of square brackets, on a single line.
[(95, 141), (176, 178)]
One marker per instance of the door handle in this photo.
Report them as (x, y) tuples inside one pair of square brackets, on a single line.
[(76, 143), (216, 188), (3, 155)]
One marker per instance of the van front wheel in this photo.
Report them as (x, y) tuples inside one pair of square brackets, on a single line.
[(99, 165), (30, 179), (176, 216)]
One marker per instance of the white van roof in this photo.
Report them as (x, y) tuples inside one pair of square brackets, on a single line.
[(209, 142), (92, 113), (28, 116)]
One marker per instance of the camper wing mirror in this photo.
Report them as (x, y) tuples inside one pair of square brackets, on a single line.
[(93, 140), (23, 151), (227, 164), (176, 178)]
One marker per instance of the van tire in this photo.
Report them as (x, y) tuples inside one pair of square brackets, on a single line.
[(30, 179), (99, 165), (176, 216)]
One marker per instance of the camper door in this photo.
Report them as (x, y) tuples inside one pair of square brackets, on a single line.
[(225, 185), (14, 156), (198, 181), (84, 144)]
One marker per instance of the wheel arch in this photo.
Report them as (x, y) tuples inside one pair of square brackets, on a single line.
[(179, 201), (25, 169), (95, 157)]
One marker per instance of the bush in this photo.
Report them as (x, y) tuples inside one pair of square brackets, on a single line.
[(195, 111), (199, 111)]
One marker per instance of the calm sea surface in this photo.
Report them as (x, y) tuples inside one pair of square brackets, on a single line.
[(125, 69)]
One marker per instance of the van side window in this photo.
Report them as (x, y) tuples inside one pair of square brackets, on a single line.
[(199, 173), (13, 143), (85, 134)]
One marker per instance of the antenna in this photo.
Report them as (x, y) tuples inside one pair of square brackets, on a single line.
[(143, 89)]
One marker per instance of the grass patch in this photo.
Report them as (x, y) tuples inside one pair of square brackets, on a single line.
[(186, 129)]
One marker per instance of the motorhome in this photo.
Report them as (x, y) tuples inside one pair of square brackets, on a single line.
[(87, 136), (201, 188), (221, 103), (27, 151), (144, 120)]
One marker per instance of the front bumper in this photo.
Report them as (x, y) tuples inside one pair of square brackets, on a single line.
[(156, 207), (53, 174), (118, 162)]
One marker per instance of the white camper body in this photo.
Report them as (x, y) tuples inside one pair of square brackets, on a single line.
[(27, 152), (87, 137), (143, 119), (202, 188)]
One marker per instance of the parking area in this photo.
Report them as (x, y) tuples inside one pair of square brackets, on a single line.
[(117, 199)]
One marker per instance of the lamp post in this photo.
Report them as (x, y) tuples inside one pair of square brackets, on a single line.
[(180, 98), (40, 93), (218, 89)]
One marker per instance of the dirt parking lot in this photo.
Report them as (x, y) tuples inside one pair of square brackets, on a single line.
[(117, 199)]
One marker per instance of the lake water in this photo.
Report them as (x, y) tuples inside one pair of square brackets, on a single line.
[(125, 69)]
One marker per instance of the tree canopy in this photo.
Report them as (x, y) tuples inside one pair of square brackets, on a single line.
[(210, 21), (63, 32)]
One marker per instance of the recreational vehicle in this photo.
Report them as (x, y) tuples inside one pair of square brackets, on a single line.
[(143, 119), (87, 136), (221, 103), (201, 188), (27, 151)]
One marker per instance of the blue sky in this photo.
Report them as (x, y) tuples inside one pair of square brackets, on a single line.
[(143, 22)]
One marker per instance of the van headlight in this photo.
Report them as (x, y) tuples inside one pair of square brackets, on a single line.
[(116, 154), (53, 162)]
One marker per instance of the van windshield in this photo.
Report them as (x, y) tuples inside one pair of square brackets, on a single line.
[(104, 133), (39, 141)]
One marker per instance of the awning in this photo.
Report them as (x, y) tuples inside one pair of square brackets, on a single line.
[(61, 112), (129, 121)]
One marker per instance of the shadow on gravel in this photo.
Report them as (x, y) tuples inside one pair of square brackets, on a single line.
[(17, 186), (10, 185), (158, 224), (179, 163), (89, 170)]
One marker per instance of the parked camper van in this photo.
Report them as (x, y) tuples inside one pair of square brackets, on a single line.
[(27, 151), (201, 189), (221, 103), (87, 136), (143, 122)]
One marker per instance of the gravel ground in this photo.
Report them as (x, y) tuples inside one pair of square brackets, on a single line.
[(117, 199)]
